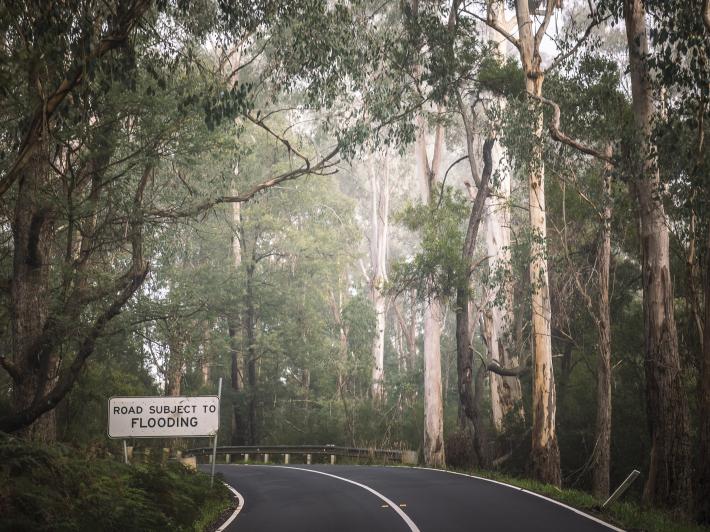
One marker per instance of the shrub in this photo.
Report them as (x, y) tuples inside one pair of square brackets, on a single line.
[(57, 488)]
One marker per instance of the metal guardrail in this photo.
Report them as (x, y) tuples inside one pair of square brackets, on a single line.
[(332, 450)]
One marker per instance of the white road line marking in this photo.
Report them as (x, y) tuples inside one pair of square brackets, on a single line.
[(405, 517), (236, 512), (558, 503)]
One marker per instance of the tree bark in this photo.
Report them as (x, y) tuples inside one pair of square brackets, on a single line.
[(469, 415), (30, 294), (602, 450), (433, 319), (702, 488), (250, 339), (40, 353), (545, 454), (378, 255), (669, 478), (506, 392), (236, 341)]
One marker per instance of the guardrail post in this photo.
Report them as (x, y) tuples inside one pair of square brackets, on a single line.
[(332, 459), (308, 458), (266, 458), (246, 457), (226, 458), (286, 458), (210, 458), (621, 489)]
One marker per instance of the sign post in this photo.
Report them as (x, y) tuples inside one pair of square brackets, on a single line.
[(214, 448), (165, 417)]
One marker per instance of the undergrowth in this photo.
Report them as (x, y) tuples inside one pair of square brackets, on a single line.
[(57, 489)]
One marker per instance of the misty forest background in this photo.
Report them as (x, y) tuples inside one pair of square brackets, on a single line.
[(475, 229)]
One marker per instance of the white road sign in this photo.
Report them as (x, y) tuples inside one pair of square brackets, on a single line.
[(163, 417)]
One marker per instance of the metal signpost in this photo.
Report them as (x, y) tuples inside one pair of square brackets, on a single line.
[(214, 448), (164, 417)]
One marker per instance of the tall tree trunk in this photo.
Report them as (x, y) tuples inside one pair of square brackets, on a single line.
[(602, 448), (506, 392), (545, 454), (426, 174), (669, 477), (250, 339), (433, 398), (231, 61), (378, 255), (433, 318), (30, 294), (702, 488), (337, 310), (545, 451), (469, 415)]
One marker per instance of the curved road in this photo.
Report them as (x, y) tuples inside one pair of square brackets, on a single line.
[(389, 499)]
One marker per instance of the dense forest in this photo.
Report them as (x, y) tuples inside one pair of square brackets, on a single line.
[(477, 229)]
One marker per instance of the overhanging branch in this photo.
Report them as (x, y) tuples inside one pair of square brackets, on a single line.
[(560, 136), (495, 367), (321, 168)]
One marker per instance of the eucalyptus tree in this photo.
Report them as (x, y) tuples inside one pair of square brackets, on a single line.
[(680, 60), (532, 26), (594, 79), (669, 477), (114, 89)]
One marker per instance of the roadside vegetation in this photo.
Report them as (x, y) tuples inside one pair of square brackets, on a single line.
[(629, 515), (61, 488), (478, 230)]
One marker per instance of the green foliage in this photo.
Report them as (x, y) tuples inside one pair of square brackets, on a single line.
[(58, 489), (438, 268), (502, 78)]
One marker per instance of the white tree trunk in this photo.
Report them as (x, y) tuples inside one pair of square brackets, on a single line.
[(433, 316), (379, 179), (506, 393)]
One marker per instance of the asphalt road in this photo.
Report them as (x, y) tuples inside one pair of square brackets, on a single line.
[(389, 499)]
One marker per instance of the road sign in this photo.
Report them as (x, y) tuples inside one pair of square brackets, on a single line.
[(163, 417)]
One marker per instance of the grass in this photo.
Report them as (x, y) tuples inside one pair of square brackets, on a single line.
[(626, 515), (55, 488)]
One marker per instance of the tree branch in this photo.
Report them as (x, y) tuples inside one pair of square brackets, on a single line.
[(494, 367), (560, 136), (479, 202), (549, 9), (563, 56), (319, 169), (133, 279), (492, 21), (73, 78), (470, 139), (11, 369)]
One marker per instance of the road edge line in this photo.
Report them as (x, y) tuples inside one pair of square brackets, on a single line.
[(234, 515), (558, 503), (412, 526)]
